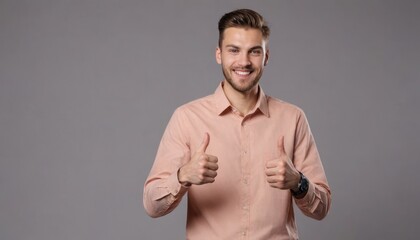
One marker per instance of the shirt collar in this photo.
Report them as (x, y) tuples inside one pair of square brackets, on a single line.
[(222, 103)]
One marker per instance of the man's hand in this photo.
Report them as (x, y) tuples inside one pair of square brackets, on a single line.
[(281, 173), (202, 167)]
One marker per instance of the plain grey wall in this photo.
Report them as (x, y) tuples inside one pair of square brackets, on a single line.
[(87, 87)]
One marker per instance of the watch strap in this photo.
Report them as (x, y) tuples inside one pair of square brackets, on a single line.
[(303, 186)]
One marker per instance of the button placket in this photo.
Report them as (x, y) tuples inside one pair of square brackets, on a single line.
[(246, 171)]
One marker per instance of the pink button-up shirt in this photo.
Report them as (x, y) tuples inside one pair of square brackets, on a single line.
[(240, 204)]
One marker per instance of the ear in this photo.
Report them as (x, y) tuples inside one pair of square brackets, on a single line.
[(218, 55), (267, 53)]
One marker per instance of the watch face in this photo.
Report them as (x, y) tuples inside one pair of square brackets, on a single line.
[(302, 187), (305, 185)]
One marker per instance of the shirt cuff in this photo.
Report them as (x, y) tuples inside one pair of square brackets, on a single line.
[(310, 199), (174, 186)]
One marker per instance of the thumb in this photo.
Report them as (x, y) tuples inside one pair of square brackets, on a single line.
[(281, 146), (204, 143), (186, 157)]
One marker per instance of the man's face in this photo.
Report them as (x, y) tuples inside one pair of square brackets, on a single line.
[(243, 55)]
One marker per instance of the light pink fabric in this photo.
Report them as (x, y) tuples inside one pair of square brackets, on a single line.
[(240, 204)]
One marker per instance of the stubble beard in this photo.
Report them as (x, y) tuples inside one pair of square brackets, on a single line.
[(241, 89)]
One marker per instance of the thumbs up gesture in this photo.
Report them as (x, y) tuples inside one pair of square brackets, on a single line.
[(281, 173), (202, 167)]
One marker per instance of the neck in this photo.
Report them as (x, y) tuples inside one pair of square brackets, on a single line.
[(243, 102)]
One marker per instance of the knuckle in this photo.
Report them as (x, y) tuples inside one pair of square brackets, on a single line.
[(281, 171), (202, 158), (203, 162)]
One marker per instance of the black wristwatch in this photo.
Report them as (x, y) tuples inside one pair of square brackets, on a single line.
[(303, 186)]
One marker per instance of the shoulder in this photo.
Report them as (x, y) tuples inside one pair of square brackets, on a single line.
[(196, 106), (278, 106)]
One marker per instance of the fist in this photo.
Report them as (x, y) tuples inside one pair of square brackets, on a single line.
[(280, 172), (202, 168)]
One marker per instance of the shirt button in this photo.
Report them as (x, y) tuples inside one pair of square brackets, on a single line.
[(243, 233), (245, 207), (245, 181)]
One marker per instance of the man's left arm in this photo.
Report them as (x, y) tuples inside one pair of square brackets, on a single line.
[(315, 203)]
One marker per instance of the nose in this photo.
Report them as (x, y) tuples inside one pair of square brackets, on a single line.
[(243, 60)]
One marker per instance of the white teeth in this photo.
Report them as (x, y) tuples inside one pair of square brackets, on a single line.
[(242, 73)]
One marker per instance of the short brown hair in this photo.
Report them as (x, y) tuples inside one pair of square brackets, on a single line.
[(243, 18)]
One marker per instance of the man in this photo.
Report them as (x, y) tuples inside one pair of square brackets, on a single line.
[(243, 157)]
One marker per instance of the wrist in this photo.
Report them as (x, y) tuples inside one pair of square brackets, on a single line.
[(302, 187), (298, 183), (182, 181)]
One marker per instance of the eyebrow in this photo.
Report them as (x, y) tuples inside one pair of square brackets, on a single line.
[(256, 47), (253, 48), (231, 45)]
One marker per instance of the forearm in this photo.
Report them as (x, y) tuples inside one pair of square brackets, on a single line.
[(162, 195), (316, 203)]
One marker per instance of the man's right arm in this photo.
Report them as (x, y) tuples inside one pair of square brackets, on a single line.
[(171, 174), (162, 191)]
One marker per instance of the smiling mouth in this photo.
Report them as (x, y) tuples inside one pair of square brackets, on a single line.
[(242, 72)]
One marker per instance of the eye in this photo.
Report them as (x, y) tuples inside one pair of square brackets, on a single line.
[(233, 50), (256, 52)]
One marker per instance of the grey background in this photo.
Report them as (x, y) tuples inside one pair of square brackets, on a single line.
[(87, 88)]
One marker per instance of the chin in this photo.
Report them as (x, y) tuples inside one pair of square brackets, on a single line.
[(244, 88)]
